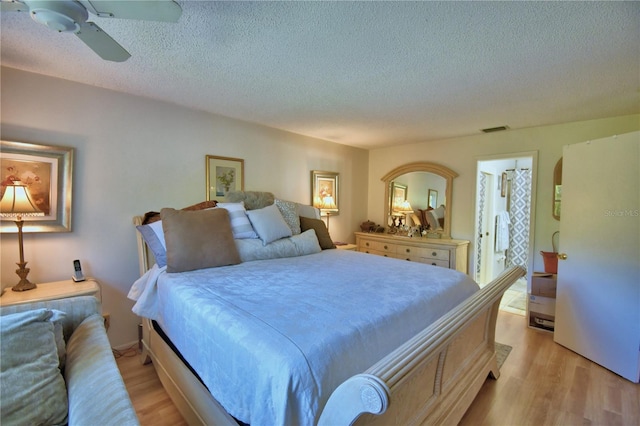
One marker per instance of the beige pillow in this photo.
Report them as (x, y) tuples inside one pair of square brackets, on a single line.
[(321, 231), (198, 239)]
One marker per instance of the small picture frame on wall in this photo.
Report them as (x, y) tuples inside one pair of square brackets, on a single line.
[(46, 170), (223, 175), (324, 192), (433, 198)]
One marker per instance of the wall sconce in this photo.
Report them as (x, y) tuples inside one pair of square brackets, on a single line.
[(16, 203)]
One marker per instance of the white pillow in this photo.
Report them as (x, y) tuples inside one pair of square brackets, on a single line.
[(269, 224), (153, 235), (240, 225), (298, 245)]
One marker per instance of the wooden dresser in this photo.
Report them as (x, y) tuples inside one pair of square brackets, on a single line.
[(451, 254)]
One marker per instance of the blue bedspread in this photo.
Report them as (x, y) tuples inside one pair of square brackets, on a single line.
[(272, 339)]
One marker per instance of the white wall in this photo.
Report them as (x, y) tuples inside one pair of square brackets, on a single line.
[(133, 155), (461, 154)]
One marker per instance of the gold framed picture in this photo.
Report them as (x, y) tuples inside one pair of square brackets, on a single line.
[(324, 192), (47, 172), (224, 175)]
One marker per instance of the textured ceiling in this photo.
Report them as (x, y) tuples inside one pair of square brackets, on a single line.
[(364, 74)]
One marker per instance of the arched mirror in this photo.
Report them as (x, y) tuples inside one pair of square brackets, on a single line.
[(422, 189)]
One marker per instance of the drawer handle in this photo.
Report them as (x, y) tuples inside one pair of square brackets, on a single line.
[(366, 244), (434, 253), (408, 260), (386, 247), (434, 264), (408, 250)]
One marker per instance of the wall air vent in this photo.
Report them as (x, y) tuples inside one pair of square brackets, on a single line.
[(495, 129)]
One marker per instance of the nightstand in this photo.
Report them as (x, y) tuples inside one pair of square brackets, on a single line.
[(51, 291)]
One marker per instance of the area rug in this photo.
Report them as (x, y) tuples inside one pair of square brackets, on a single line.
[(502, 352)]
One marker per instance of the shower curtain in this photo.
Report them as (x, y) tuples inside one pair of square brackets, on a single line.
[(519, 211), (482, 195)]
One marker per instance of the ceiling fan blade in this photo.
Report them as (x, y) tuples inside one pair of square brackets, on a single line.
[(142, 10), (102, 43), (13, 6)]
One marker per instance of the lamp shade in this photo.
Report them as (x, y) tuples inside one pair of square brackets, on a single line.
[(325, 204), (17, 201), (328, 203), (404, 207)]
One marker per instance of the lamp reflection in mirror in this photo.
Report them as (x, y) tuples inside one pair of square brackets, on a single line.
[(403, 209), (326, 206), (16, 203)]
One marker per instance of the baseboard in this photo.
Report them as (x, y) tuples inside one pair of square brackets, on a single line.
[(132, 344)]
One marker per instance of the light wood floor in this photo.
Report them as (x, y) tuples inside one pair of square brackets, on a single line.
[(541, 383)]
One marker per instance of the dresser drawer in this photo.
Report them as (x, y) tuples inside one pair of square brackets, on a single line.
[(379, 246), (446, 253), (410, 251), (438, 254), (435, 262), (376, 252)]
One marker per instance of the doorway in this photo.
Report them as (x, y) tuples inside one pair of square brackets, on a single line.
[(504, 219)]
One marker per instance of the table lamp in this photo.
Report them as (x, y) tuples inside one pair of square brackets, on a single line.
[(16, 203), (326, 205), (404, 208)]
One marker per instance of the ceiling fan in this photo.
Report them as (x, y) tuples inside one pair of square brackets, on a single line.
[(71, 16)]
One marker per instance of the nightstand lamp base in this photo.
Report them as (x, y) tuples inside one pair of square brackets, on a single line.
[(24, 283)]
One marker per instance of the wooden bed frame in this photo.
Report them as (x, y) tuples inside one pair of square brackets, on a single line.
[(431, 379)]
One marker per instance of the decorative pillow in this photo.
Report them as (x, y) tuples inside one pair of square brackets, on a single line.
[(298, 245), (305, 210), (289, 211), (321, 231), (253, 200), (432, 219), (269, 224), (240, 224), (153, 235), (33, 390), (198, 239)]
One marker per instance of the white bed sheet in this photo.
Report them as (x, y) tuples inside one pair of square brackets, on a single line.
[(272, 339)]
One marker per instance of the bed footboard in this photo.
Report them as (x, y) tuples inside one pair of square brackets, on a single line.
[(434, 377)]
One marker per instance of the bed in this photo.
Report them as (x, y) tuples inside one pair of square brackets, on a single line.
[(303, 340)]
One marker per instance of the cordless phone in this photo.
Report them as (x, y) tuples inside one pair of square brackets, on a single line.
[(77, 271)]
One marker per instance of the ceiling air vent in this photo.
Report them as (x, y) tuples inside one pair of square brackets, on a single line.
[(495, 129)]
